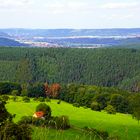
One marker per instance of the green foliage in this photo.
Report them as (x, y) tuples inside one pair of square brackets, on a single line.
[(102, 99), (25, 120), (26, 99), (12, 131), (85, 95), (110, 109), (15, 93), (7, 88), (39, 122), (14, 98), (48, 99), (44, 108), (119, 103), (24, 92), (41, 99), (95, 106), (36, 90), (61, 122), (98, 133), (4, 98), (4, 114), (76, 105), (135, 102), (59, 102)]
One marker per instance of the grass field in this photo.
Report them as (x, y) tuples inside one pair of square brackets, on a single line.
[(121, 125)]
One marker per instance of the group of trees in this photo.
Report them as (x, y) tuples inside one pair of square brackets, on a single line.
[(102, 67), (30, 89), (102, 98)]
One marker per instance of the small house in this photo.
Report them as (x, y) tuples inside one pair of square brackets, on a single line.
[(39, 114)]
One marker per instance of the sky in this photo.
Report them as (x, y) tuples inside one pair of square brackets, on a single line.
[(77, 14)]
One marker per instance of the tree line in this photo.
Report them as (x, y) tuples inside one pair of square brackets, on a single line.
[(88, 96)]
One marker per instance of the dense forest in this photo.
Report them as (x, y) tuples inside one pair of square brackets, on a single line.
[(101, 67)]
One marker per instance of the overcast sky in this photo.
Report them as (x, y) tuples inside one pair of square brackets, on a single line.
[(69, 13)]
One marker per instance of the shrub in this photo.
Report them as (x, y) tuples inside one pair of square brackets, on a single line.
[(41, 99), (85, 107), (110, 109), (5, 98), (76, 104), (25, 120), (14, 98), (12, 131), (48, 99), (24, 92), (26, 99), (98, 133), (59, 102), (45, 108), (4, 114), (95, 106), (62, 122), (35, 99), (38, 122), (15, 92)]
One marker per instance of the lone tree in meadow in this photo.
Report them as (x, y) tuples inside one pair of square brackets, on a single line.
[(45, 109)]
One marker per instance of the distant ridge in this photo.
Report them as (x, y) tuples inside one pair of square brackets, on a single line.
[(71, 32), (6, 42)]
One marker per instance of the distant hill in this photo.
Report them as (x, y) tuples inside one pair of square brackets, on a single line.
[(6, 42), (71, 32), (76, 37), (4, 35)]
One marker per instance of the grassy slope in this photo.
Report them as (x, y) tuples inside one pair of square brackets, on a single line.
[(122, 125)]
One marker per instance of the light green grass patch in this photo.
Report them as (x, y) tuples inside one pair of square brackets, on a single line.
[(121, 125)]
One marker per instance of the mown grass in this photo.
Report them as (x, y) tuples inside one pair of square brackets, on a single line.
[(121, 125)]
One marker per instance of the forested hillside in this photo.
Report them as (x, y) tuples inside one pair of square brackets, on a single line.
[(102, 67)]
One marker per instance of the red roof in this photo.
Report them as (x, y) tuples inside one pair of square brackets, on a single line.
[(39, 114)]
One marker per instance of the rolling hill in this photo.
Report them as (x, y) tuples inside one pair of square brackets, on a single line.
[(7, 42)]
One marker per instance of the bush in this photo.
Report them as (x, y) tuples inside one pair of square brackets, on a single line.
[(59, 102), (85, 107), (61, 122), (48, 99), (5, 98), (76, 104), (24, 92), (95, 106), (38, 122), (26, 99), (35, 99), (41, 99), (15, 92), (14, 98), (98, 133), (44, 108), (25, 120), (12, 131), (110, 109)]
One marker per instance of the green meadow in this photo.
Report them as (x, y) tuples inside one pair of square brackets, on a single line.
[(121, 125)]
